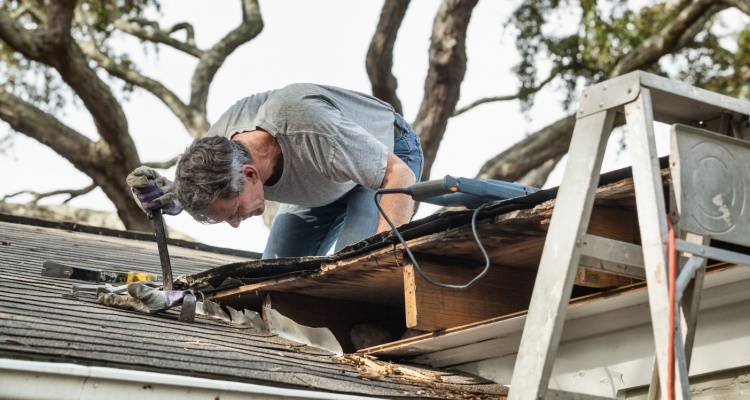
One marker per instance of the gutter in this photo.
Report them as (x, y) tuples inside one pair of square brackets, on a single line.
[(20, 379)]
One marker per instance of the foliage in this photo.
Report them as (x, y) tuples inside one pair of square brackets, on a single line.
[(54, 52), (605, 32), (717, 68), (40, 84)]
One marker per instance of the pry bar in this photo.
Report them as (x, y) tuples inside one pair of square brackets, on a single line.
[(161, 242)]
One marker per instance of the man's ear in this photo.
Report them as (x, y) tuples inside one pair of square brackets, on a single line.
[(249, 171)]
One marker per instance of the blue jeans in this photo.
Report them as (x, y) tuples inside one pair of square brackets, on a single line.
[(304, 231)]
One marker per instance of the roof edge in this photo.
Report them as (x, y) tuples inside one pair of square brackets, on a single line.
[(53, 380), (133, 235)]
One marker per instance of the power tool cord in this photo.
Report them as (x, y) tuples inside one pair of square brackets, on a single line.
[(381, 192)]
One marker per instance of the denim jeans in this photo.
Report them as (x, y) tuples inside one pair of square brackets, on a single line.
[(304, 231)]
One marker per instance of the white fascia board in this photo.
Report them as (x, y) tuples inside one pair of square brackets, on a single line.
[(20, 379), (584, 317), (605, 353)]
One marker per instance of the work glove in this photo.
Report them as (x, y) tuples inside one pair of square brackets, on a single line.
[(153, 191), (155, 299), (143, 298)]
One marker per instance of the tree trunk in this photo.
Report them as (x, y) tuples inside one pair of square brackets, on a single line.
[(538, 176), (444, 76), (379, 62), (111, 178), (549, 143)]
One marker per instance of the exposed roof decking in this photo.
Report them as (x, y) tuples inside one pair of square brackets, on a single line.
[(374, 271)]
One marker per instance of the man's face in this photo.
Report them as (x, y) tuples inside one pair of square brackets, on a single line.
[(250, 202)]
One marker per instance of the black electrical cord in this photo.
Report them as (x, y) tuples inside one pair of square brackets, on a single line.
[(381, 192)]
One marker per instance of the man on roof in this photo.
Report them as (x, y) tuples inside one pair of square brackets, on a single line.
[(321, 151)]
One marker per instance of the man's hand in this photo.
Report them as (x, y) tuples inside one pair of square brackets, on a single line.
[(398, 207), (153, 191)]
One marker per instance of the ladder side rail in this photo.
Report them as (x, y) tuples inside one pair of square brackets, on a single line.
[(555, 277), (687, 317), (649, 194), (674, 89), (691, 298), (693, 258)]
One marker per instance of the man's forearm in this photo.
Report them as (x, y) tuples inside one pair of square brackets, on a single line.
[(398, 207)]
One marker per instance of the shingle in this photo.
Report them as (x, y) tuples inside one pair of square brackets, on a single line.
[(37, 322)]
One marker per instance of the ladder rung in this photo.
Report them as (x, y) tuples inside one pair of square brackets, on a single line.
[(713, 253), (617, 257)]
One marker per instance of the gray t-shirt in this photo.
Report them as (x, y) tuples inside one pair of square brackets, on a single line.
[(331, 138)]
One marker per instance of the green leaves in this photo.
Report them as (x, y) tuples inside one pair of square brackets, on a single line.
[(583, 41), (40, 84)]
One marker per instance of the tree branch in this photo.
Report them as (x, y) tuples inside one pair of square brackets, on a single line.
[(106, 162), (189, 32), (106, 111), (742, 5), (537, 177), (135, 27), (22, 40), (27, 8), (444, 76), (521, 93), (163, 164), (59, 21), (548, 143), (667, 40), (66, 57), (689, 34), (35, 123), (72, 193), (252, 24), (531, 156), (195, 124), (379, 61)]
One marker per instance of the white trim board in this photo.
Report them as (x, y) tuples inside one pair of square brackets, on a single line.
[(585, 318), (21, 380)]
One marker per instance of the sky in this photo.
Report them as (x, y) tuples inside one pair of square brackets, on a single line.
[(320, 42)]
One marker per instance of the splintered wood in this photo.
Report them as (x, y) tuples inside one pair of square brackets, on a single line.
[(385, 278)]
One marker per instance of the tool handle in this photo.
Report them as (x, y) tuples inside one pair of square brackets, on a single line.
[(424, 190), (161, 242), (147, 193)]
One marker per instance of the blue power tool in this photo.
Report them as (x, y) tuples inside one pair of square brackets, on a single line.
[(470, 193), (450, 191)]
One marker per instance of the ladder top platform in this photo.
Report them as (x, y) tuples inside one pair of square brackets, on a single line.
[(673, 101)]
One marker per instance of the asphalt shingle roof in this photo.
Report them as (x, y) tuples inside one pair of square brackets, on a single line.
[(38, 323)]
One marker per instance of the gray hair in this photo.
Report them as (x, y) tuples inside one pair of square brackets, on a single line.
[(210, 169)]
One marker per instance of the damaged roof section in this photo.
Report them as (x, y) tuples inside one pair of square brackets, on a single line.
[(522, 216), (373, 284), (39, 321)]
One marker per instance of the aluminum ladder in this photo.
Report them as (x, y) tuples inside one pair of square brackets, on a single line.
[(637, 99)]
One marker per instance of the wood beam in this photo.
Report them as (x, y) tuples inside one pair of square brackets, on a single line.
[(429, 308)]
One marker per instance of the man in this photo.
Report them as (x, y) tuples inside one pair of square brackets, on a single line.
[(320, 150)]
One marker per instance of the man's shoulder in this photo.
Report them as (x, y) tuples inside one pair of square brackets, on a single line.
[(304, 102), (240, 115), (300, 87), (298, 93)]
